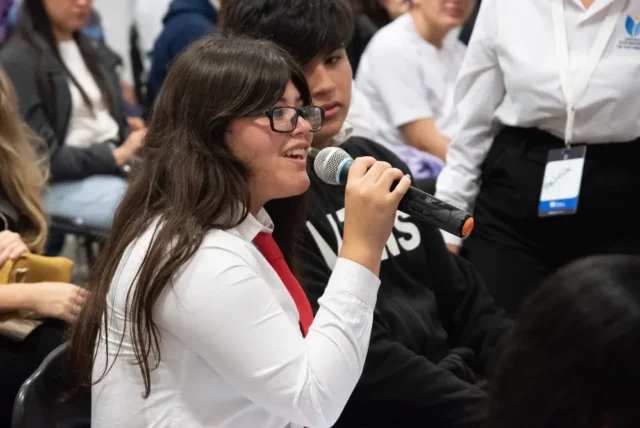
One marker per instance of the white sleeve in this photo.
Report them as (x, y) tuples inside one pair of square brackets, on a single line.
[(397, 78), (479, 91), (230, 317), (361, 115)]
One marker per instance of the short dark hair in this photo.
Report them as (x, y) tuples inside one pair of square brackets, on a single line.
[(571, 360), (306, 28)]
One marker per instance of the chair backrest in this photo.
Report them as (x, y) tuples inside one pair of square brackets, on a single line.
[(48, 399), (137, 67)]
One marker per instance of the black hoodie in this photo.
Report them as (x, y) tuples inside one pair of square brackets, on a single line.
[(435, 326)]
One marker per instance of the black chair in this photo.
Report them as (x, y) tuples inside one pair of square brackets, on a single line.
[(88, 237), (137, 67), (47, 398)]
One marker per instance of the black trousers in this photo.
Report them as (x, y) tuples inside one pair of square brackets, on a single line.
[(19, 359), (513, 248)]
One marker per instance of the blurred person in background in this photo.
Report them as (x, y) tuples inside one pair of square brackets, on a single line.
[(408, 73), (557, 99), (23, 228), (70, 96), (95, 33), (370, 16), (571, 360)]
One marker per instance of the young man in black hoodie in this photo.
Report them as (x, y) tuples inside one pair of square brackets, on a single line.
[(435, 327)]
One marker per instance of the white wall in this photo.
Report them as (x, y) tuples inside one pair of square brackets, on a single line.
[(117, 16)]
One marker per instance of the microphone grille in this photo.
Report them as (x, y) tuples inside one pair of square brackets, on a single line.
[(327, 164)]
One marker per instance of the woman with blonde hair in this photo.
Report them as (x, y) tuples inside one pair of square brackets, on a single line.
[(23, 228), (22, 176)]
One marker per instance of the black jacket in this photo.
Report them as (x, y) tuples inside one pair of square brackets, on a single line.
[(435, 326), (44, 100), (9, 216)]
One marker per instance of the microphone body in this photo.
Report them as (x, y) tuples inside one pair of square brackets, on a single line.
[(332, 166), (429, 209)]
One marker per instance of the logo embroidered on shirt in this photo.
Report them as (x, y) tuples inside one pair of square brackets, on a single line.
[(632, 30), (632, 25)]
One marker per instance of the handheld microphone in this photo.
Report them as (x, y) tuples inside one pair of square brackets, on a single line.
[(332, 166)]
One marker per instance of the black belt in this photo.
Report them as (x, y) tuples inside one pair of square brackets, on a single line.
[(535, 144)]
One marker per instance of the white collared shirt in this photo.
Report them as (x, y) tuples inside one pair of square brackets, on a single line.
[(511, 77), (232, 354), (343, 135)]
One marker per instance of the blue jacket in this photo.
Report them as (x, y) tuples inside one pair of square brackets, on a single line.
[(185, 22)]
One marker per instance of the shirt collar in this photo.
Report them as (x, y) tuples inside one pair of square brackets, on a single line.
[(343, 135), (251, 226)]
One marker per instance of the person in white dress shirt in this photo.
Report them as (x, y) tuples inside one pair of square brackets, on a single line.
[(408, 73), (527, 66), (190, 324), (370, 16)]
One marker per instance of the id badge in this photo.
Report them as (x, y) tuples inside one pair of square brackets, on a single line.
[(562, 180)]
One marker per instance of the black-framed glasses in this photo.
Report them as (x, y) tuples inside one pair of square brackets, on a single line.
[(285, 119)]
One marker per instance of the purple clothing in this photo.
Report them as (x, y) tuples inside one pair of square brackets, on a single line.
[(5, 7), (422, 164)]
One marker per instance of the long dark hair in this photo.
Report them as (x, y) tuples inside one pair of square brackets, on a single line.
[(373, 10), (34, 22), (190, 182), (572, 359)]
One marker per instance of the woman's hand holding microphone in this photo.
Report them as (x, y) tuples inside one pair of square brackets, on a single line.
[(370, 210)]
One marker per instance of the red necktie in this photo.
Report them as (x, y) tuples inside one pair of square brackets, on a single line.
[(270, 250)]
